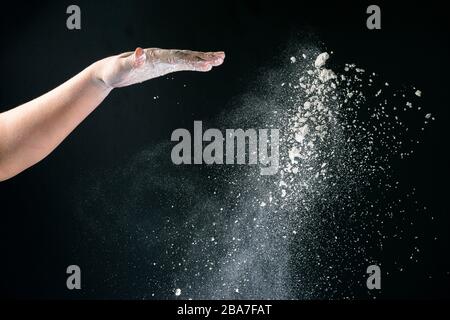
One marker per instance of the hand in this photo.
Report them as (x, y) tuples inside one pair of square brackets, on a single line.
[(144, 64)]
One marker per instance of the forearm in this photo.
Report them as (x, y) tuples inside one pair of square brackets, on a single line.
[(31, 131)]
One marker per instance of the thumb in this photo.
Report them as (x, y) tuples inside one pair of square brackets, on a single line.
[(139, 58)]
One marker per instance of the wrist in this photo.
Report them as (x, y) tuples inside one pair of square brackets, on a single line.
[(96, 74)]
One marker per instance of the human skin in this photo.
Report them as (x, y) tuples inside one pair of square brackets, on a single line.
[(31, 131)]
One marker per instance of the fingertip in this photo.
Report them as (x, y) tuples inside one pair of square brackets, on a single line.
[(220, 54), (216, 62), (220, 57), (204, 67)]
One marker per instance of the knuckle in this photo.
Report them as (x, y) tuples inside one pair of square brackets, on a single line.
[(152, 52)]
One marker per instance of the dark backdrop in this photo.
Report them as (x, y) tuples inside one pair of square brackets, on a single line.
[(38, 53)]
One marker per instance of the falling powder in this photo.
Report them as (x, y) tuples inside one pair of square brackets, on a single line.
[(293, 235)]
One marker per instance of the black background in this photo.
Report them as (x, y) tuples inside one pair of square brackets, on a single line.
[(38, 53)]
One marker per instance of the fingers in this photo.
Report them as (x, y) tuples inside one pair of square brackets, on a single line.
[(182, 60), (202, 61), (217, 56)]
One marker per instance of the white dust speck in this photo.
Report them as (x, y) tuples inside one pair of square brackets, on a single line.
[(321, 59)]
